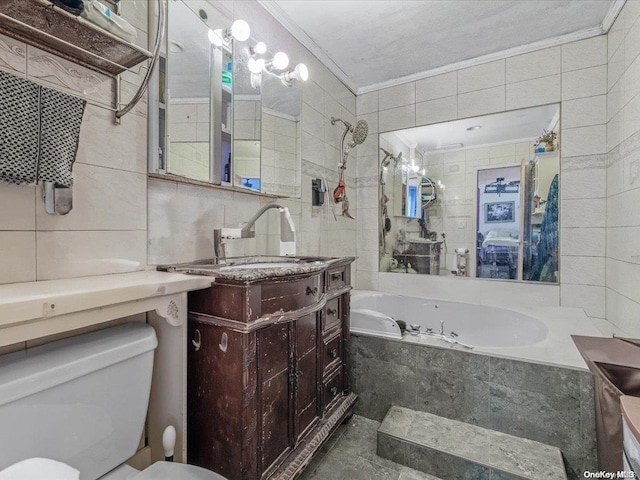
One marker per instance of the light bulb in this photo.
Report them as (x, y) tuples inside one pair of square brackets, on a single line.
[(240, 30), (260, 48), (280, 61), (302, 72), (255, 66), (215, 37)]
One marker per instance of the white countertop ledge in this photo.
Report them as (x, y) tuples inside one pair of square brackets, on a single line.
[(123, 293)]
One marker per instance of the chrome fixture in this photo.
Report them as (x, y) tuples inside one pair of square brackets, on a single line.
[(358, 133), (287, 232), (441, 327)]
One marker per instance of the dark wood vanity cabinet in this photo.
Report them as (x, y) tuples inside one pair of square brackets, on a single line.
[(267, 381)]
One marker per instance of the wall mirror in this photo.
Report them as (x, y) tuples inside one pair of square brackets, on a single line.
[(215, 124), (476, 197)]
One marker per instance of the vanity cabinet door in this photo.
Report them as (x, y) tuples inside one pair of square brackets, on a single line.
[(275, 396), (305, 371)]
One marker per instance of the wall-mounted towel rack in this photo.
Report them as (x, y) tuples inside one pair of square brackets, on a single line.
[(42, 25)]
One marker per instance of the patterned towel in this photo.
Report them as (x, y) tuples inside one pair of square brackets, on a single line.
[(39, 132)]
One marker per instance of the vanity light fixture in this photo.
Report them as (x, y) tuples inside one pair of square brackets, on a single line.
[(239, 30), (259, 48), (280, 61), (474, 127), (300, 72)]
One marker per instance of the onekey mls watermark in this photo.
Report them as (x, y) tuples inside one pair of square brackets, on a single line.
[(610, 475)]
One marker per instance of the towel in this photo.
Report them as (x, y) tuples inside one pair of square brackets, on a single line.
[(39, 132), (39, 469)]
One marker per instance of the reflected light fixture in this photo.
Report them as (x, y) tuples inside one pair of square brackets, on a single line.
[(259, 48), (300, 72), (239, 30), (280, 61)]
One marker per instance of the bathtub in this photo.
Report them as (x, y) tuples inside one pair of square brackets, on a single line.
[(540, 334)]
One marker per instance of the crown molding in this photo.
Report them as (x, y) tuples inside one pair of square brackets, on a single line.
[(612, 14), (322, 56), (491, 57)]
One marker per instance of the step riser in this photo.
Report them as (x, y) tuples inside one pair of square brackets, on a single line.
[(434, 462)]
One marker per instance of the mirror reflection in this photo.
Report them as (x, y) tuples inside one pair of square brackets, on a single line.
[(487, 201), (223, 123)]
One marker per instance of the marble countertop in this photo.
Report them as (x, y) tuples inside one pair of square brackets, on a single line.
[(296, 266)]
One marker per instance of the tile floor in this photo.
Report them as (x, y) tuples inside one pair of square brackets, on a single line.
[(351, 455)]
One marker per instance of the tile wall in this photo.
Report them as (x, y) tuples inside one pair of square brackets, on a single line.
[(110, 177), (574, 75), (623, 172)]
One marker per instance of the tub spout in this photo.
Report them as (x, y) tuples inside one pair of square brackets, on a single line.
[(441, 327)]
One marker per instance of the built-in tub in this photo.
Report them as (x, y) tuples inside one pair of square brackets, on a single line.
[(540, 334), (375, 313), (523, 376)]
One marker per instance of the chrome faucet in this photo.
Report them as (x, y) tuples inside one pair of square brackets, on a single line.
[(441, 327), (287, 232)]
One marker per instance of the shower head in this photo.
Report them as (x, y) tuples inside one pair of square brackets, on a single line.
[(360, 132), (387, 158)]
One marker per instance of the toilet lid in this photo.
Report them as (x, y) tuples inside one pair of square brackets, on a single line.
[(174, 471)]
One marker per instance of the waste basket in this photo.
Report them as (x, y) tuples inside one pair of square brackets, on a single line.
[(615, 365)]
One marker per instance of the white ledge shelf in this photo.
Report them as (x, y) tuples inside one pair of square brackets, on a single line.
[(36, 309)]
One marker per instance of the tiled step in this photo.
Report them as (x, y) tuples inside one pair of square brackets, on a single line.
[(454, 450)]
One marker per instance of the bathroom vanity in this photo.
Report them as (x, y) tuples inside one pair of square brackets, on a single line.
[(267, 366)]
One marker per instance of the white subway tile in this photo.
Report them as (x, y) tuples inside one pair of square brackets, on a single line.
[(584, 53), (583, 112), (18, 259), (588, 242), (582, 270), (367, 103), (397, 118), (541, 63), (439, 110), (397, 96), (538, 91), (491, 100), (583, 213), (584, 140), (583, 183), (438, 86), (18, 207), (587, 82), (481, 77)]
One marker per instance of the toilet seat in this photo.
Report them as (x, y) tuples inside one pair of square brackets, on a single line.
[(174, 471)]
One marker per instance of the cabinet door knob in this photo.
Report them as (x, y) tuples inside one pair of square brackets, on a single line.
[(331, 311), (312, 291), (333, 391), (334, 353), (336, 276), (197, 341)]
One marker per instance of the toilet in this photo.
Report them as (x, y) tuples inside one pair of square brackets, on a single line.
[(83, 401)]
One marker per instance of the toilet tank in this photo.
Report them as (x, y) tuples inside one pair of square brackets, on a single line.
[(81, 400)]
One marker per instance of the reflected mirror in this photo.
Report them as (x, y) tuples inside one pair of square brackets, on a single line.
[(487, 203), (216, 126)]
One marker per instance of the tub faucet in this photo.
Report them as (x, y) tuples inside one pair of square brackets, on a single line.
[(441, 327)]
